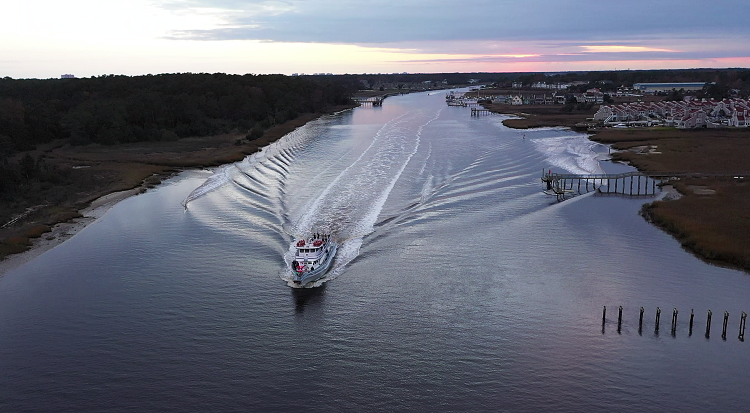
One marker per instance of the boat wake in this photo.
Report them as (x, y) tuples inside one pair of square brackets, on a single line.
[(215, 181), (271, 158), (349, 206), (572, 153)]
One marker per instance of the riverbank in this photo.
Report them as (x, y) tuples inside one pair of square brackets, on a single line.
[(711, 217), (95, 177)]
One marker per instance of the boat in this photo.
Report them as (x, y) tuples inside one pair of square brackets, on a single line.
[(312, 258)]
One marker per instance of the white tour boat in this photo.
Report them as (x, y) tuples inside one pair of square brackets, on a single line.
[(312, 258)]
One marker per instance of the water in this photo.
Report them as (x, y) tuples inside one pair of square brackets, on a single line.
[(459, 285)]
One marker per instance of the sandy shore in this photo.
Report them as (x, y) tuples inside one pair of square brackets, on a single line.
[(63, 231)]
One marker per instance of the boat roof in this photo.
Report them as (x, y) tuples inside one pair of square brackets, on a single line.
[(309, 243)]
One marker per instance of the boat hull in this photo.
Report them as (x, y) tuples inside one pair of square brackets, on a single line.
[(318, 273)]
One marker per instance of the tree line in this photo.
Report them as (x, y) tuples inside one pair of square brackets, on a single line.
[(113, 109)]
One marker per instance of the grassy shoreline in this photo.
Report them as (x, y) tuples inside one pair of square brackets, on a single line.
[(712, 217), (95, 171)]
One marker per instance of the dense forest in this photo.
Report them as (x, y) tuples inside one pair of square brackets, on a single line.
[(119, 109), (110, 110)]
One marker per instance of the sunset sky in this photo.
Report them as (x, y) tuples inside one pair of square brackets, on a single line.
[(41, 39)]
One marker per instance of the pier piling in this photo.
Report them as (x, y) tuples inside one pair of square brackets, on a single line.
[(640, 322), (691, 322), (675, 312)]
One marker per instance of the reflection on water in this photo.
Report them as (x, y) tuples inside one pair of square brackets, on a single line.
[(308, 297)]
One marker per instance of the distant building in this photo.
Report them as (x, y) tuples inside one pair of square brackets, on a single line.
[(67, 76), (667, 87)]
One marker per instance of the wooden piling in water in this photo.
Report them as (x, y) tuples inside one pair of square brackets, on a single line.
[(639, 184), (640, 322), (691, 322), (675, 312)]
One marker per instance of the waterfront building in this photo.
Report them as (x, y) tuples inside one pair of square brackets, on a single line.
[(681, 114)]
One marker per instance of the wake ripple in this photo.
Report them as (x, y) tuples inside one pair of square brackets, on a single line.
[(349, 206)]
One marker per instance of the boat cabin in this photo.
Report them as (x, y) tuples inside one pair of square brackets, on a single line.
[(310, 253)]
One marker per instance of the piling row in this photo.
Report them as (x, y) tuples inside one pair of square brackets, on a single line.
[(657, 322)]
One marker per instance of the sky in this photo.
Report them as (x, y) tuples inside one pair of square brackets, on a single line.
[(43, 39)]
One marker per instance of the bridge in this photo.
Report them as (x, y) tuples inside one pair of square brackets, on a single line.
[(627, 184)]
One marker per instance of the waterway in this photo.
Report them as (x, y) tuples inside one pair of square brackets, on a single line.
[(458, 286)]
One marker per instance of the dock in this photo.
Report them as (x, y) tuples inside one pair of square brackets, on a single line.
[(480, 112), (636, 183), (371, 101)]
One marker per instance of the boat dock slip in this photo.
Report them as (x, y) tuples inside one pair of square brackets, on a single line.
[(628, 184)]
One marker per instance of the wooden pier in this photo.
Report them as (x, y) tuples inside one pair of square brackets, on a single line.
[(480, 112), (635, 183), (372, 101)]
